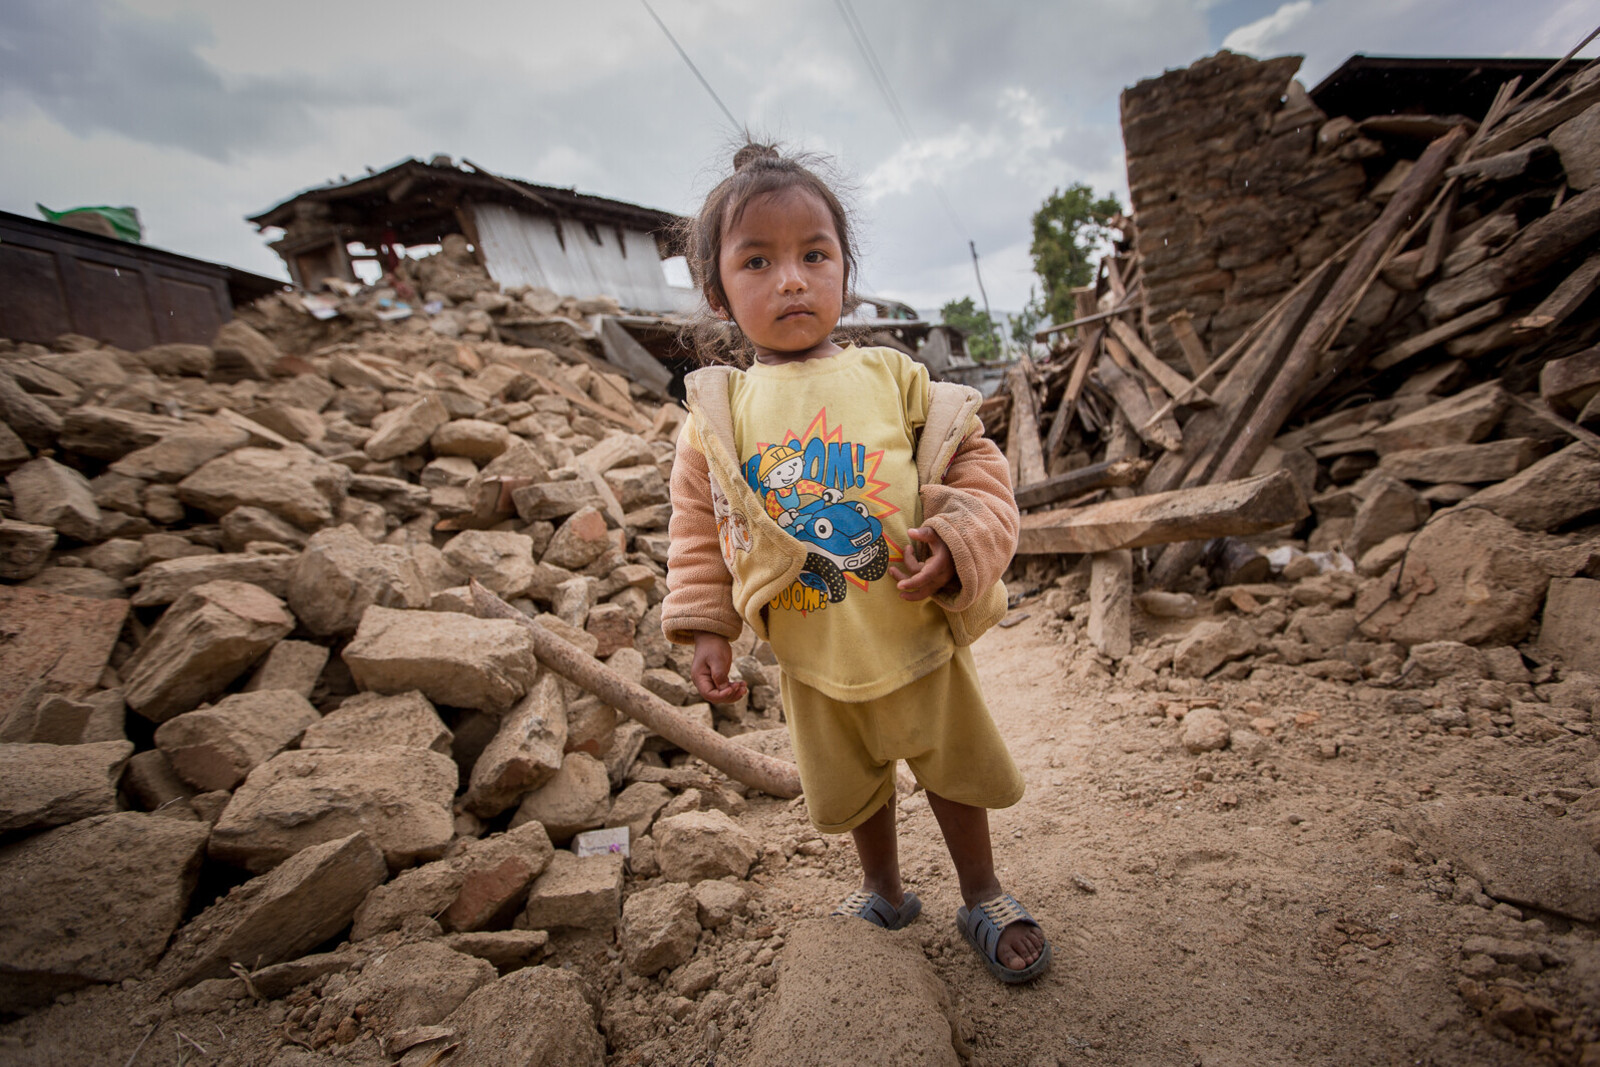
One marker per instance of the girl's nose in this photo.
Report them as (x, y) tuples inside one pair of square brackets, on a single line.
[(791, 280)]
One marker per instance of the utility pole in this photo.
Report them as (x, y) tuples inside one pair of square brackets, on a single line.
[(1005, 346)]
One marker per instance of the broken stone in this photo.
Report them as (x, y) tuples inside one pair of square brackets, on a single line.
[(58, 720), (207, 638), (669, 685), (47, 494), (182, 452), (718, 903), (637, 806), (575, 892), (400, 796), (371, 720), (482, 882), (341, 574), (96, 901), (1434, 661), (1211, 644), (240, 352), (905, 1017), (412, 985), (579, 541), (24, 549), (79, 582), (1469, 576), (453, 659), (214, 748), (173, 360), (555, 500), (1391, 507), (54, 644), (1457, 420), (591, 726), (1575, 142), (506, 950), (150, 782), (637, 487), (1205, 730), (501, 561), (526, 751), (290, 422), (576, 798), (532, 1017), (703, 844), (291, 665), (1491, 461), (406, 429), (245, 524), (1554, 491), (48, 785), (292, 483), (1570, 626), (659, 928), (109, 433), (472, 438), (1516, 850), (164, 582), (280, 915), (1161, 604), (616, 450)]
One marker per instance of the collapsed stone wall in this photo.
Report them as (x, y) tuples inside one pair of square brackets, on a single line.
[(1239, 187)]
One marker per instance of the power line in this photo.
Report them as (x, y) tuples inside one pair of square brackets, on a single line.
[(692, 68)]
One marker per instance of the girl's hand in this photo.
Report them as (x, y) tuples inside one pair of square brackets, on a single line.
[(713, 657), (921, 580)]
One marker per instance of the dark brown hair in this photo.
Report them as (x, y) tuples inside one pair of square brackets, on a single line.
[(758, 169)]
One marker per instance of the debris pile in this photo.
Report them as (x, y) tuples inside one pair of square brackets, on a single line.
[(301, 640), (1367, 340)]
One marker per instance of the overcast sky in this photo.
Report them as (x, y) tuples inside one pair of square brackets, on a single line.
[(199, 113)]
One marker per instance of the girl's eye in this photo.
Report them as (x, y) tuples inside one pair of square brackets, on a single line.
[(756, 262), (815, 256)]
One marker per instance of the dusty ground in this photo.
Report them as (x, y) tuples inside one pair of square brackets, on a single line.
[(1205, 909)]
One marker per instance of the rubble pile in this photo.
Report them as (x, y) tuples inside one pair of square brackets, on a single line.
[(247, 708), (1392, 318)]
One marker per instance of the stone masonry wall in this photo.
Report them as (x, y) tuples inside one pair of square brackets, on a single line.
[(1240, 186)]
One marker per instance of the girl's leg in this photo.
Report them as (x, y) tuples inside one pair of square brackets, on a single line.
[(878, 849), (966, 834)]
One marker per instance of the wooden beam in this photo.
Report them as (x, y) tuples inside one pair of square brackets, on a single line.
[(1082, 320), (1441, 333), (1439, 233), (1247, 506), (1130, 396), (1110, 626), (1174, 383), (1574, 290), (1084, 300), (1023, 432), (1118, 472), (1181, 323), (1539, 119)]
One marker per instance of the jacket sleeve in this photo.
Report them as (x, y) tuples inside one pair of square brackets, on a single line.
[(699, 587), (976, 516)]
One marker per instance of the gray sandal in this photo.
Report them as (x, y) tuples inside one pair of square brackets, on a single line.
[(982, 927), (864, 904)]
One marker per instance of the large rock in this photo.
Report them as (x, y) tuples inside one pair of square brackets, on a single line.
[(555, 500), (279, 915), (579, 541), (110, 433), (1492, 461), (1519, 852), (182, 452), (406, 429), (1577, 141), (207, 638), (96, 901), (1554, 491), (1570, 626), (1391, 507), (502, 561), (1470, 576), (575, 892), (292, 665), (371, 720), (576, 798), (454, 659), (54, 644), (472, 438), (214, 748), (525, 753), (164, 582), (1211, 644), (58, 720), (413, 985), (239, 351), (24, 549), (1434, 661), (659, 928), (245, 524), (483, 882), (903, 1017), (399, 796), (177, 359), (47, 494), (341, 574), (703, 844), (1456, 420), (293, 483), (47, 785), (534, 1017)]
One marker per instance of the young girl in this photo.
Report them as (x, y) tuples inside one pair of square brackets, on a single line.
[(804, 491)]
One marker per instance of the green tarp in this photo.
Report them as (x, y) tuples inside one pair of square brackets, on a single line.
[(119, 222)]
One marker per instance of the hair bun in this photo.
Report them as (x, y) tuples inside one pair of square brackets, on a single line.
[(752, 152)]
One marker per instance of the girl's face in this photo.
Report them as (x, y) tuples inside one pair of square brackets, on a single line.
[(783, 272)]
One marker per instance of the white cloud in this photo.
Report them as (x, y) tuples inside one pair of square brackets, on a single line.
[(1263, 37)]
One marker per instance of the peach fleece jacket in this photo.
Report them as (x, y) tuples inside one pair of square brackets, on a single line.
[(716, 586)]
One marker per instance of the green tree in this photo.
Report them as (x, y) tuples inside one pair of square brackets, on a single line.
[(983, 336), (1027, 322), (1066, 229)]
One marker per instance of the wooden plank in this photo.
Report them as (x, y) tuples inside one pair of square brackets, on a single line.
[(1439, 233), (1250, 505), (1130, 396), (1441, 333), (1084, 300), (1539, 119), (1181, 323), (1119, 472), (1569, 296), (1024, 429), (1082, 320), (1110, 626), (1174, 383)]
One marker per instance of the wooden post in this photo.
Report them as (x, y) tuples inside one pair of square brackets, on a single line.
[(1194, 349), (1110, 627), (1024, 428)]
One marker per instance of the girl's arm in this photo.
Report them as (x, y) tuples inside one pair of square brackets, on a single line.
[(975, 515), (699, 587)]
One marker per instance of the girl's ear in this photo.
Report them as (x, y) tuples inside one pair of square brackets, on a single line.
[(716, 307)]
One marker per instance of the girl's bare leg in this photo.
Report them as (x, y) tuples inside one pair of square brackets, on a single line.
[(966, 834), (878, 849)]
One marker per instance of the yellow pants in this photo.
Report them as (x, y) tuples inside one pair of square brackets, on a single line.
[(938, 724)]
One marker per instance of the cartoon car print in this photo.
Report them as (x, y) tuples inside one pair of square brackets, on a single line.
[(844, 539)]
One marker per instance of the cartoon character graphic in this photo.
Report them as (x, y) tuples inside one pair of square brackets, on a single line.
[(733, 531), (777, 480), (843, 539)]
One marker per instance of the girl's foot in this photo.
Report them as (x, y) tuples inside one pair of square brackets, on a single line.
[(1012, 945)]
